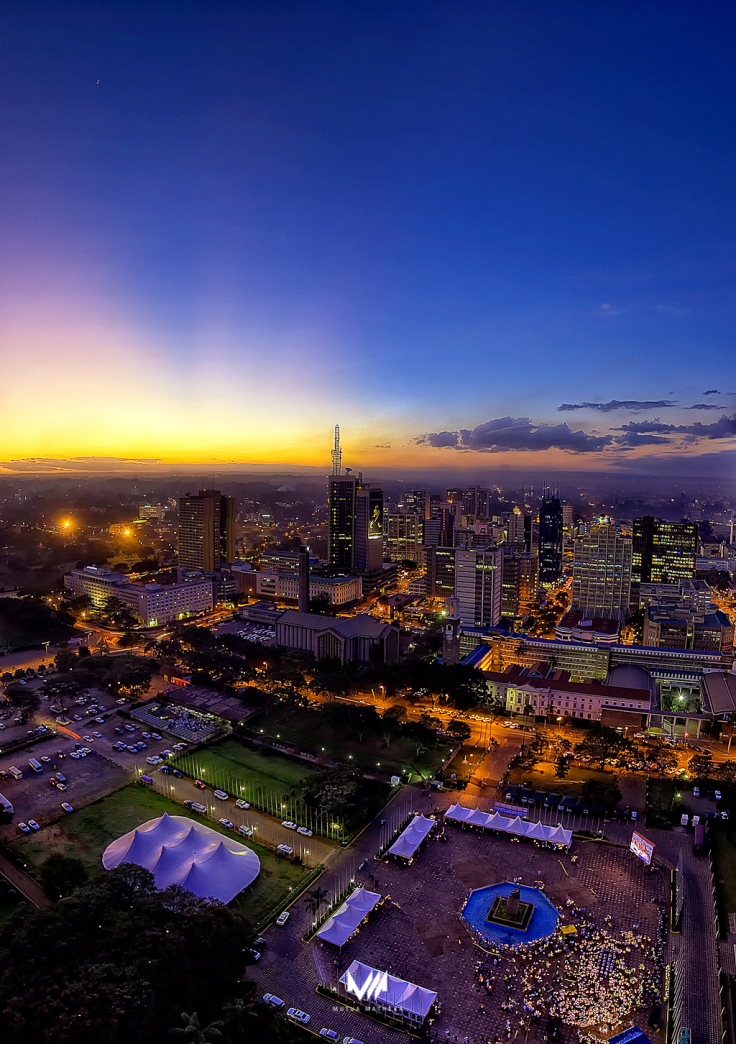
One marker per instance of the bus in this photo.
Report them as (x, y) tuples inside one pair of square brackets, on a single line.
[(35, 765)]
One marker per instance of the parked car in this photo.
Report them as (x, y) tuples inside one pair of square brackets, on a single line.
[(275, 1002), (240, 803), (24, 828), (696, 792), (304, 830), (288, 824), (296, 1015), (195, 806), (33, 824), (66, 806), (200, 784), (719, 796), (226, 823), (286, 850), (222, 795), (282, 918), (330, 1034), (245, 831)]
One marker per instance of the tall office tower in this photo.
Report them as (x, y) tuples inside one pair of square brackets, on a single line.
[(550, 540), (403, 536), (206, 530), (601, 572), (432, 532), (440, 571), (474, 502), (336, 453), (478, 576), (518, 529), (368, 553), (341, 509), (662, 553), (519, 582), (414, 501), (303, 579)]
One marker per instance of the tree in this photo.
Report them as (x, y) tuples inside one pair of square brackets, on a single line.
[(700, 766), (65, 659), (22, 700), (192, 1030), (315, 900), (60, 875), (458, 729), (602, 792), (238, 1016)]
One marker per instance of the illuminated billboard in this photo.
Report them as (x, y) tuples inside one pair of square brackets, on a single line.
[(642, 848)]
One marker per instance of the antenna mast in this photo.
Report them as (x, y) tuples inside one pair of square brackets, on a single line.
[(337, 453)]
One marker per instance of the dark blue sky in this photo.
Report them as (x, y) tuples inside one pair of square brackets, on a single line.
[(407, 217)]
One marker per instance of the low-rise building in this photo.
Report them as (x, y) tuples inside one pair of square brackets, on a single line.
[(359, 638), (153, 604), (337, 590), (674, 628), (577, 626)]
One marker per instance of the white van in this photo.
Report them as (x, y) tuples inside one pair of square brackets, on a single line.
[(35, 765), (15, 772), (6, 805)]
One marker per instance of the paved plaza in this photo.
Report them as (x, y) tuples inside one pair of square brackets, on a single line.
[(605, 976)]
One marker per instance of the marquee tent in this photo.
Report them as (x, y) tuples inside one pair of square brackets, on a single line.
[(556, 835), (338, 928), (389, 992), (179, 851), (411, 837)]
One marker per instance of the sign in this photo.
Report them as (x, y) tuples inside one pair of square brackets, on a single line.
[(512, 810), (642, 848), (375, 985)]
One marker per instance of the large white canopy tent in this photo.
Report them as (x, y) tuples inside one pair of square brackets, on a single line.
[(411, 837), (556, 835), (388, 992), (338, 928), (179, 851)]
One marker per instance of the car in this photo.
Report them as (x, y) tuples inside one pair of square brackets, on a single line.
[(719, 796), (77, 717), (74, 755), (2, 727), (167, 753), (282, 918), (255, 955), (241, 803), (196, 806), (61, 786), (53, 781), (66, 806), (45, 759), (275, 1002), (24, 828), (351, 1040), (724, 813), (296, 1015), (41, 729), (61, 777), (178, 773), (304, 830), (288, 824), (696, 792), (146, 735), (88, 739), (97, 735), (33, 824), (179, 746), (330, 1034), (129, 728), (156, 736), (60, 754), (121, 702), (101, 709), (166, 769), (153, 761), (141, 745), (119, 731), (100, 720), (200, 784), (226, 823), (245, 831), (221, 795)]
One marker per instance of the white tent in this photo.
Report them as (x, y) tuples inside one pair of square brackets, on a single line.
[(389, 992), (179, 851), (338, 928), (411, 837), (557, 835)]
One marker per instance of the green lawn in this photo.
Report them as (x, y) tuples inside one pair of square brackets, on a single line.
[(89, 831), (233, 760), (312, 733)]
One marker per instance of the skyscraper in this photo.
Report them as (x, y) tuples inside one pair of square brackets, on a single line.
[(662, 553), (341, 506), (478, 586), (206, 530), (601, 571), (550, 540), (403, 535), (520, 581), (355, 517), (336, 453)]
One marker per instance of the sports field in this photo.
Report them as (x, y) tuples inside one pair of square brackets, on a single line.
[(87, 833)]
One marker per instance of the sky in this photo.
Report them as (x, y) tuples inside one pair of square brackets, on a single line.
[(477, 235)]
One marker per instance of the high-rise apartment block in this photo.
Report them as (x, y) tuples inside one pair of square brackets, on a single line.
[(550, 540), (206, 530), (478, 576), (662, 553), (601, 572)]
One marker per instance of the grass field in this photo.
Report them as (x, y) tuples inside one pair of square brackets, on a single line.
[(89, 831), (312, 733), (543, 778), (233, 760)]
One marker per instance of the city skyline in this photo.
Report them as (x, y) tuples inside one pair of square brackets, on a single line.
[(477, 237)]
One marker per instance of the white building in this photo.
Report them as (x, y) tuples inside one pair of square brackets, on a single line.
[(97, 583), (478, 587), (153, 604)]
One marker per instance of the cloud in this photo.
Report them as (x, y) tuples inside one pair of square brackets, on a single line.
[(633, 405), (712, 391), (705, 406), (55, 464), (382, 445), (516, 433), (632, 440), (723, 428)]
